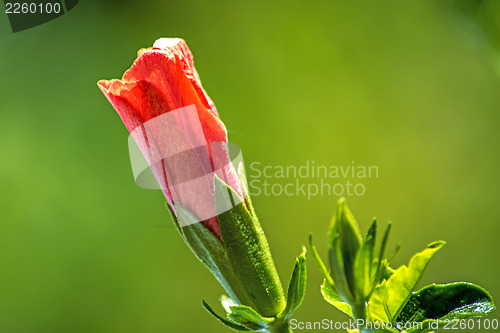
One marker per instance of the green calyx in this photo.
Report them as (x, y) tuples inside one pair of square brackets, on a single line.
[(245, 318), (249, 254), (242, 263)]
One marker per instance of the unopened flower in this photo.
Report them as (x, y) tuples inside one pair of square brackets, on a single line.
[(176, 125), (177, 128)]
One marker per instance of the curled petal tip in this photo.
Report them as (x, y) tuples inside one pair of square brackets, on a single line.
[(167, 43)]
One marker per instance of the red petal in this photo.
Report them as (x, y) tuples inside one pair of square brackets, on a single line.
[(179, 47), (172, 75), (129, 115), (163, 79)]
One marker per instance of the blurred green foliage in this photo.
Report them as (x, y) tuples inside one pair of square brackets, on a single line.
[(410, 86)]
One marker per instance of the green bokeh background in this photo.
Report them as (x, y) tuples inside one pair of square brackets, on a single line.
[(412, 87)]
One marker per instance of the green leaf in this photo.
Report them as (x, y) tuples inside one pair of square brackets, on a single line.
[(249, 254), (296, 287), (447, 301), (248, 317), (363, 264), (226, 322), (331, 297), (345, 230), (319, 262), (371, 237), (338, 273), (379, 274), (383, 271), (344, 222), (390, 297)]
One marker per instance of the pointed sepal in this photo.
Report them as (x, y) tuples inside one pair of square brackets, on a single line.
[(226, 322), (296, 287)]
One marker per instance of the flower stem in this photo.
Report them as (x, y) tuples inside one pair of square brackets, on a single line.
[(359, 312), (281, 327)]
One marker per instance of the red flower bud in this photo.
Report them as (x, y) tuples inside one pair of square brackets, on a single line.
[(176, 125)]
